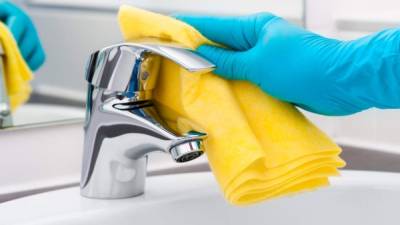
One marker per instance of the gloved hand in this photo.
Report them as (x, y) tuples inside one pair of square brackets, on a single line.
[(321, 75), (24, 33)]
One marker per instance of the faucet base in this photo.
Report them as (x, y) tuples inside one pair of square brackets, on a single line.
[(117, 180)]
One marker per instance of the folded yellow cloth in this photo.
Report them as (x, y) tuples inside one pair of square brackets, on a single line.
[(258, 147), (16, 72)]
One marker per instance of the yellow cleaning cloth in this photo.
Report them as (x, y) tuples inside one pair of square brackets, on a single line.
[(16, 72), (258, 147)]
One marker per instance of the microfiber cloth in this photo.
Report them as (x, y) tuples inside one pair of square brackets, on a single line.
[(17, 73), (258, 147)]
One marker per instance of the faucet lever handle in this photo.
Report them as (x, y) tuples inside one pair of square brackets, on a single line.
[(120, 67), (186, 58)]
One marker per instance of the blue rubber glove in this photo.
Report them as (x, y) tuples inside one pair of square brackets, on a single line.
[(321, 75), (24, 33)]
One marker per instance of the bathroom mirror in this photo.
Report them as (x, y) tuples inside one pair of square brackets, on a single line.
[(71, 30)]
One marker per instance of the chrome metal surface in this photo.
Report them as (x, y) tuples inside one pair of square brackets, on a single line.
[(122, 125), (5, 109)]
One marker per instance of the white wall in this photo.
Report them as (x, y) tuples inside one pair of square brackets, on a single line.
[(287, 8)]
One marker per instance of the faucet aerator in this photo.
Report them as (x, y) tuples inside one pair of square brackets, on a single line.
[(187, 151)]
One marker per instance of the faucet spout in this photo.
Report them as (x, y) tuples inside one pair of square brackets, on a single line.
[(122, 125)]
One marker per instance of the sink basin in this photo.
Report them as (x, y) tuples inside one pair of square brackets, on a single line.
[(354, 198)]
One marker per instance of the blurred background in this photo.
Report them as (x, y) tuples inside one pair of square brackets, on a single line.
[(72, 29)]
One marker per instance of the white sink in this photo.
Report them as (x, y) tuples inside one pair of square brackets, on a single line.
[(367, 198)]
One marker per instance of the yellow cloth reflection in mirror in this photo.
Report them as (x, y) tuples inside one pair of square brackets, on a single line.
[(16, 72), (258, 147)]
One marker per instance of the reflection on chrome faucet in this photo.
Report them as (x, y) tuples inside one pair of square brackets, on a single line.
[(122, 125), (5, 109)]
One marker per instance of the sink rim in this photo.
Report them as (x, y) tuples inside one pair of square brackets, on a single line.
[(74, 204)]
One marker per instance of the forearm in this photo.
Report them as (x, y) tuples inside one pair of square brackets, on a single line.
[(369, 69)]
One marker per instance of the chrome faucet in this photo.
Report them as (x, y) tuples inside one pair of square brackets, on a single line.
[(5, 109), (122, 124)]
